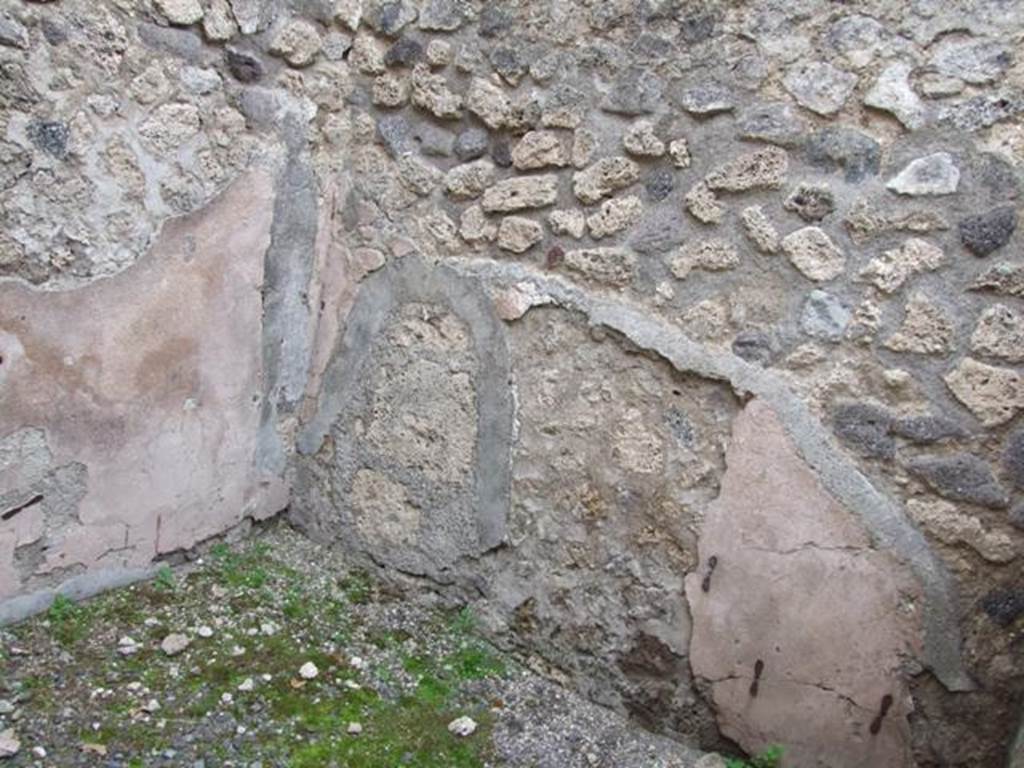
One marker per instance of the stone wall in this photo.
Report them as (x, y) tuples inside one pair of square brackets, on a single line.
[(683, 340)]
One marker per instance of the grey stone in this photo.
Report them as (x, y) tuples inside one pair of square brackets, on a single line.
[(987, 232), (12, 33), (754, 346), (961, 477), (336, 45), (974, 61), (934, 174), (856, 153), (892, 93), (395, 133), (51, 136), (389, 18), (1013, 459), (927, 429), (501, 152), (440, 16), (774, 123), (707, 99), (494, 21), (244, 66), (471, 144), (404, 53), (510, 62), (865, 428), (811, 202), (635, 92), (824, 316), (819, 86), (659, 184), (982, 110)]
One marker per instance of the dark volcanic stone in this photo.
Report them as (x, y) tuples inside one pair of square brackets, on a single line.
[(961, 477), (389, 18), (986, 232), (1017, 516), (50, 136), (244, 66), (865, 428), (404, 53), (1013, 459), (1004, 606), (659, 184), (927, 429), (857, 154), (754, 346), (501, 153), (471, 144), (982, 111)]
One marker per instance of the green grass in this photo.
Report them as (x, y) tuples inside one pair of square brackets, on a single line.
[(70, 622), (770, 758)]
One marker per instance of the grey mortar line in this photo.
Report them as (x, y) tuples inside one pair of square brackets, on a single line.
[(883, 518)]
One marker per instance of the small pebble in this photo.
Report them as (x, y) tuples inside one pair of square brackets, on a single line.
[(355, 728), (174, 644), (462, 726), (308, 671), (205, 631), (246, 685)]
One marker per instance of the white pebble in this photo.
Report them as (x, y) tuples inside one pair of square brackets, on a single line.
[(308, 671), (462, 726), (355, 728), (246, 685), (205, 631)]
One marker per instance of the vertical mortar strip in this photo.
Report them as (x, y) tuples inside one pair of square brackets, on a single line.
[(844, 481), (413, 280), (288, 269)]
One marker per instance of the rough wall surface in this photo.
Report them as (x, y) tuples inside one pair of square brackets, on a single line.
[(683, 339)]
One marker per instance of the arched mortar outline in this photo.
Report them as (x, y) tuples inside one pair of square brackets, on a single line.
[(411, 279), (886, 523)]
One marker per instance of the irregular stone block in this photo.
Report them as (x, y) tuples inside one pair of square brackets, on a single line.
[(635, 92), (865, 428), (1005, 278), (540, 149), (943, 521), (824, 316), (707, 99), (764, 169), (298, 43), (488, 102), (470, 180), (934, 174), (471, 144), (892, 93), (987, 232), (771, 123), (614, 266), (710, 255), (518, 234), (926, 329), (180, 12), (604, 177), (992, 394), (999, 333), (819, 86), (703, 205), (641, 140), (614, 216), (856, 153), (1013, 459), (893, 268), (517, 194), (812, 252), (961, 477), (760, 229), (431, 92)]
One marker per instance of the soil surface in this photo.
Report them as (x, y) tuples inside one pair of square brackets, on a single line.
[(276, 652)]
